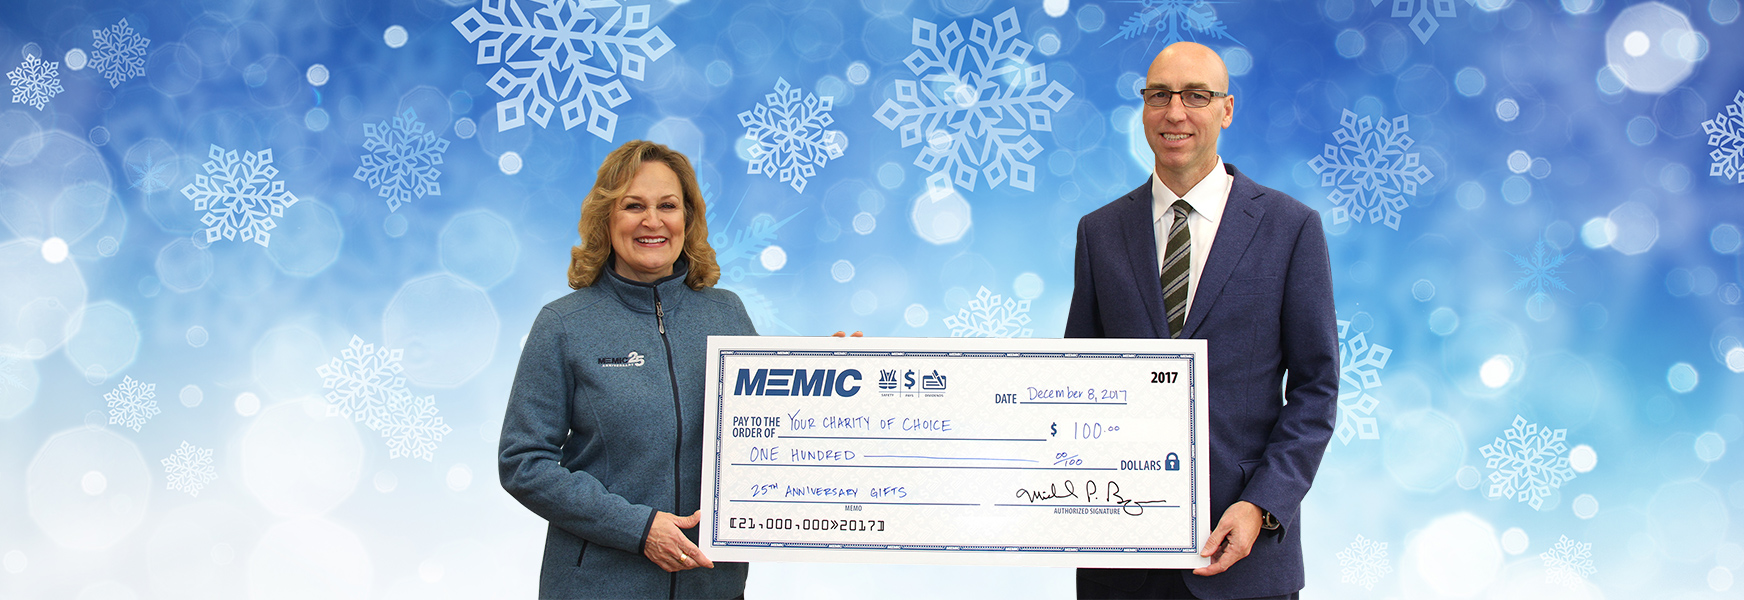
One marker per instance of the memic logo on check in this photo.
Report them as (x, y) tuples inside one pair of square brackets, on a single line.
[(797, 382)]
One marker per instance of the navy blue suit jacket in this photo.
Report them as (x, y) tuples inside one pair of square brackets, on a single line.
[(1264, 306)]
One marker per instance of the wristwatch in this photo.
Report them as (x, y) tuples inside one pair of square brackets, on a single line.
[(1267, 521)]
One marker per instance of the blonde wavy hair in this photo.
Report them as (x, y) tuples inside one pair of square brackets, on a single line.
[(590, 259)]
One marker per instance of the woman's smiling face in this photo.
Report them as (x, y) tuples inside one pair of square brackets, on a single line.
[(648, 224)]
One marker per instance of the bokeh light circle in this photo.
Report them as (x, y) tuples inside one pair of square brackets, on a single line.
[(183, 266), (309, 558), (107, 340), (297, 462), (1424, 450), (480, 247), (842, 271), (1582, 458), (772, 258), (20, 385), (1585, 506), (1515, 540), (1687, 519), (1725, 238), (915, 315), (447, 327), (307, 240), (941, 216), (282, 359), (191, 396), (1485, 356), (394, 36), (1423, 290), (459, 477), (1682, 377), (1710, 447), (863, 302), (81, 516), (247, 404), (1636, 48), (1455, 555)]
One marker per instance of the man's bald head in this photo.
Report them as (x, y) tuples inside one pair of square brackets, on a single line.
[(1184, 138), (1195, 57)]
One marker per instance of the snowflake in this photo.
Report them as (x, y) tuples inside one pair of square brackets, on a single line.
[(1359, 367), (1568, 562), (972, 103), (412, 426), (1528, 464), (148, 175), (1726, 135), (761, 309), (1539, 272), (990, 315), (790, 134), (746, 245), (362, 381), (131, 403), (1173, 20), (564, 57), (739, 253), (119, 53), (402, 159), (1370, 168), (189, 469), (12, 372), (35, 82), (239, 196), (1364, 562), (1425, 22)]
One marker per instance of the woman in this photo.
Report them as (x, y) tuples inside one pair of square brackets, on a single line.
[(603, 436)]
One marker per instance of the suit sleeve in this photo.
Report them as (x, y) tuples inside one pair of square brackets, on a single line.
[(1084, 319), (530, 459), (1309, 344)]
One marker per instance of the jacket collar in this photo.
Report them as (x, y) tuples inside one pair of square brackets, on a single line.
[(1241, 217), (1241, 220), (638, 296)]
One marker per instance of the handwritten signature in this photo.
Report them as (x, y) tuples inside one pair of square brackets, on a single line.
[(1109, 493)]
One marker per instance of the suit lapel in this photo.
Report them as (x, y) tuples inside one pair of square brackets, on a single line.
[(1139, 232), (1241, 218)]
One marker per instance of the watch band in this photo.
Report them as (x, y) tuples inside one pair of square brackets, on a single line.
[(1267, 521)]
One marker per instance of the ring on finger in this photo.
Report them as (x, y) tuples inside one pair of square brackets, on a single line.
[(684, 557)]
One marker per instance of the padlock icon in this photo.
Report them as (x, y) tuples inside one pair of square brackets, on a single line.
[(1172, 462)]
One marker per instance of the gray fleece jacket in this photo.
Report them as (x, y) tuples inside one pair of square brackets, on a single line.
[(604, 427)]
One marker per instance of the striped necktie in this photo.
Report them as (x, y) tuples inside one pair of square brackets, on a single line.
[(1177, 264)]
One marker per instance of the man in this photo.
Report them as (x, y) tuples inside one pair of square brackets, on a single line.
[(1201, 251)]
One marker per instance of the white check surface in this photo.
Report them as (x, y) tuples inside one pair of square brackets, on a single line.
[(1043, 452)]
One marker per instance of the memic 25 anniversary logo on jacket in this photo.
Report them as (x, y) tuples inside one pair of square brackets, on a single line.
[(635, 359)]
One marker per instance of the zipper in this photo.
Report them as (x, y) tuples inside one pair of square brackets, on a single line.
[(677, 417)]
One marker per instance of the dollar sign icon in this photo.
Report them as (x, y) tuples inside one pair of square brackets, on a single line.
[(909, 379), (1053, 429)]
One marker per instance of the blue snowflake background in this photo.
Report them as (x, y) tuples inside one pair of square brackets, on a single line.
[(1568, 134)]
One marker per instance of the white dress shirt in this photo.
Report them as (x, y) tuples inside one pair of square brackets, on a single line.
[(1207, 199)]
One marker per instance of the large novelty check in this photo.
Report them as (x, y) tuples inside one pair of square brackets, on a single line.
[(1045, 452)]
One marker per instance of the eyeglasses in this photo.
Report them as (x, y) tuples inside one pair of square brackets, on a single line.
[(1191, 98)]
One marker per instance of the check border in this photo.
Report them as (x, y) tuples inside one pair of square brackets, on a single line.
[(720, 429)]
